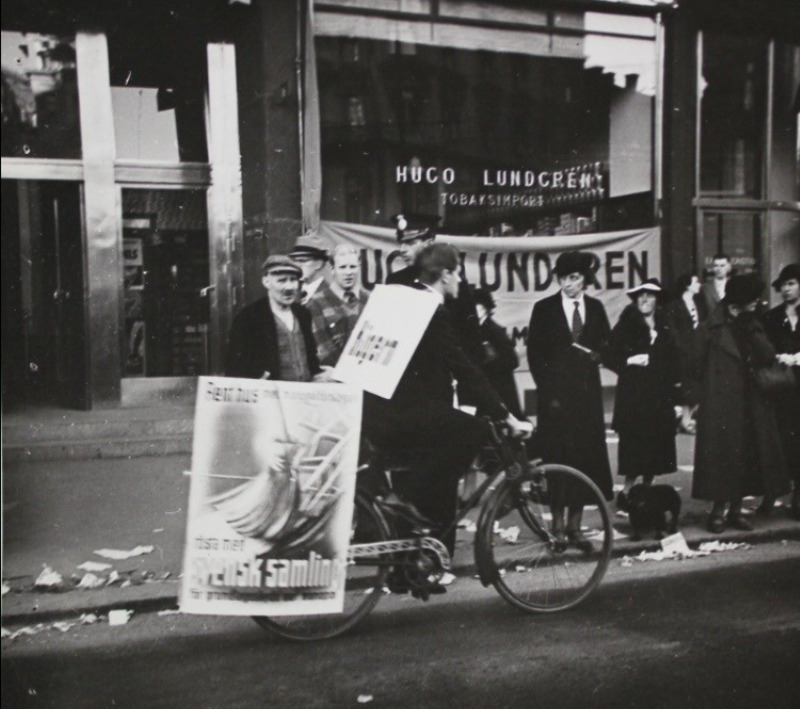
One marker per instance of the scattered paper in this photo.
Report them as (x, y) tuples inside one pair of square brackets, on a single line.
[(94, 566), (6, 588), (48, 578), (510, 534), (113, 577), (91, 581), (119, 554), (158, 530), (169, 611), (61, 626), (675, 547), (364, 698), (119, 617)]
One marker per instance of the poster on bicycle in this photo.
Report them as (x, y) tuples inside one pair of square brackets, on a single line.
[(271, 497)]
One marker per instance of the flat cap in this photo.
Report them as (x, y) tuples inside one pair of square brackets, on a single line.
[(278, 263)]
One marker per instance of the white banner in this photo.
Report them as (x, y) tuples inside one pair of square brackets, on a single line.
[(271, 497), (381, 345), (518, 270)]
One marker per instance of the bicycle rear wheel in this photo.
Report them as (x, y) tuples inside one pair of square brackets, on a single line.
[(538, 574), (363, 586)]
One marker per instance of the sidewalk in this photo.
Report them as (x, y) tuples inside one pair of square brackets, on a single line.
[(60, 513)]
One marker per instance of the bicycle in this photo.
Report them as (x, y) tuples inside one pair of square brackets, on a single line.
[(540, 573)]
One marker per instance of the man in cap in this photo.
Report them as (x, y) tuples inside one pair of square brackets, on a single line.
[(566, 334), (420, 416), (310, 253), (738, 450), (337, 304), (782, 325), (272, 338), (414, 233)]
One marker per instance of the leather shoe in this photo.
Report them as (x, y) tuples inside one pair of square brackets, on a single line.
[(716, 524), (579, 542), (740, 522)]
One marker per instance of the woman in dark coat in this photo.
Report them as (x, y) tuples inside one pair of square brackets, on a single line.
[(499, 357), (643, 352), (566, 335), (782, 325), (738, 450)]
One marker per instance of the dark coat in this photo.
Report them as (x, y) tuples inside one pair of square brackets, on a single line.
[(461, 308), (499, 362), (787, 405), (253, 342), (569, 395), (645, 397), (680, 322), (738, 450)]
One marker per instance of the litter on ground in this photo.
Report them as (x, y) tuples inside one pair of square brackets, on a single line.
[(119, 554)]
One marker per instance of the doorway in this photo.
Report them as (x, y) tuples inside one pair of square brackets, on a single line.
[(44, 318)]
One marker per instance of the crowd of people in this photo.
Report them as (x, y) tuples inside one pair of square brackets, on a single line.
[(703, 360)]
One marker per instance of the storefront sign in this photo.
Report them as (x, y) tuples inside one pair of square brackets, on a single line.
[(519, 270), (271, 497)]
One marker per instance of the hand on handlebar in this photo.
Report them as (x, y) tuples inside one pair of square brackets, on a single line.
[(518, 429)]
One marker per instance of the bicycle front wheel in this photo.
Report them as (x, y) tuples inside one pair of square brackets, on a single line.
[(366, 578), (540, 573)]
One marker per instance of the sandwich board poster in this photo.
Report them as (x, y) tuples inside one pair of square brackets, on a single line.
[(385, 338), (271, 497)]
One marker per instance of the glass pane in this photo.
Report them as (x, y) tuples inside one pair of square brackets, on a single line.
[(158, 103), (165, 271), (785, 177), (40, 96), (737, 234), (733, 115), (541, 137)]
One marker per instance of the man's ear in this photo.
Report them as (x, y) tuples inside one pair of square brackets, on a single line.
[(264, 281)]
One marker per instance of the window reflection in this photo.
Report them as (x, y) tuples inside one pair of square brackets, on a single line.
[(39, 96), (503, 137)]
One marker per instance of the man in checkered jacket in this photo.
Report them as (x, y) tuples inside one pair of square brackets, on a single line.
[(337, 304)]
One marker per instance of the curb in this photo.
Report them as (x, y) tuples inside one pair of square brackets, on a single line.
[(156, 602)]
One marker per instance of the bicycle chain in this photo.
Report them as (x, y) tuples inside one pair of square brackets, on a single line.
[(392, 546)]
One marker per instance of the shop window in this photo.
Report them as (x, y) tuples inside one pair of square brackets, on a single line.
[(543, 132), (40, 96), (165, 279), (737, 234), (158, 101), (733, 110)]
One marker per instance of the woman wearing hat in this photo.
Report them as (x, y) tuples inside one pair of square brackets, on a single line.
[(566, 334), (783, 329), (643, 352), (738, 450)]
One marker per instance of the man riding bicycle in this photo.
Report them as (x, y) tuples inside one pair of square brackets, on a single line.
[(420, 418)]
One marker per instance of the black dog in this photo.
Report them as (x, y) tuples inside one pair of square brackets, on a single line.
[(647, 507)]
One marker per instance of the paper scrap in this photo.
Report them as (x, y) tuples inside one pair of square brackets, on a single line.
[(113, 577), (364, 698), (169, 611), (119, 616), (510, 534), (6, 588), (119, 554), (91, 581), (48, 578), (94, 566)]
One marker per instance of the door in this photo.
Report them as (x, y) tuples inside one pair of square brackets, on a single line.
[(44, 321)]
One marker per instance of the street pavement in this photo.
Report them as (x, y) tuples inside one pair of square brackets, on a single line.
[(59, 513), (717, 631)]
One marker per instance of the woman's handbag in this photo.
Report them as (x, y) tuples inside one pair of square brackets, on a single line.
[(775, 379)]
